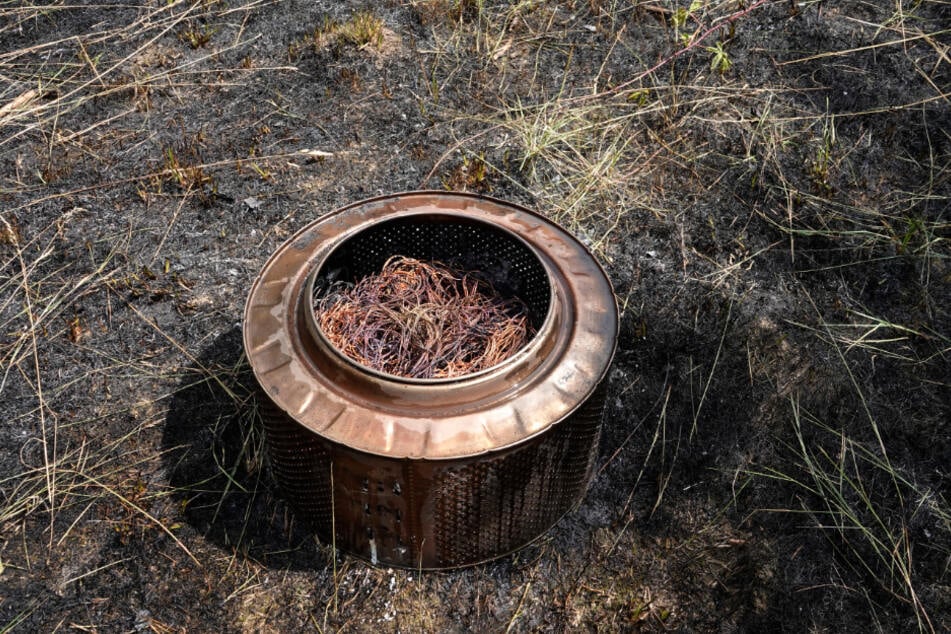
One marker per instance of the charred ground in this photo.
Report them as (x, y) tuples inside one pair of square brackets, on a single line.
[(767, 184)]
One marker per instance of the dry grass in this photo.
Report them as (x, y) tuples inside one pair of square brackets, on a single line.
[(865, 505), (771, 206)]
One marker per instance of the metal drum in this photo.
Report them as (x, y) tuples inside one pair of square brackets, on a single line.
[(433, 473)]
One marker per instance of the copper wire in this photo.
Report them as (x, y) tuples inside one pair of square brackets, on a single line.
[(423, 320)]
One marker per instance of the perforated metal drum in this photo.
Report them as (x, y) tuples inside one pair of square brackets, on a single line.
[(433, 473)]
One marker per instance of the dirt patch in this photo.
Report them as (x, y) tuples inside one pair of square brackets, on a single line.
[(766, 184)]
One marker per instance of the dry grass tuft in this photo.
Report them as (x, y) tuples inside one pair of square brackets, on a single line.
[(768, 183)]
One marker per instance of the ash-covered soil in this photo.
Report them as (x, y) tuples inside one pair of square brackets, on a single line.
[(766, 183)]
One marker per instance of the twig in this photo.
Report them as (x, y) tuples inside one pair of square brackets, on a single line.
[(518, 608)]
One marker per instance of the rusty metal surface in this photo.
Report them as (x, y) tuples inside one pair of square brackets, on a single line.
[(441, 472)]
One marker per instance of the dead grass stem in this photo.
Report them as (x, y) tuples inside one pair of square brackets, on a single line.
[(694, 132)]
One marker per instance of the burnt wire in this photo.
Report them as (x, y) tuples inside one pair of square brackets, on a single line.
[(424, 320)]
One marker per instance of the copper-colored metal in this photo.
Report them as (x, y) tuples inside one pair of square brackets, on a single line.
[(433, 473)]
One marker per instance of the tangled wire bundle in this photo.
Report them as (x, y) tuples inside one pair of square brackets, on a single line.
[(423, 320)]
